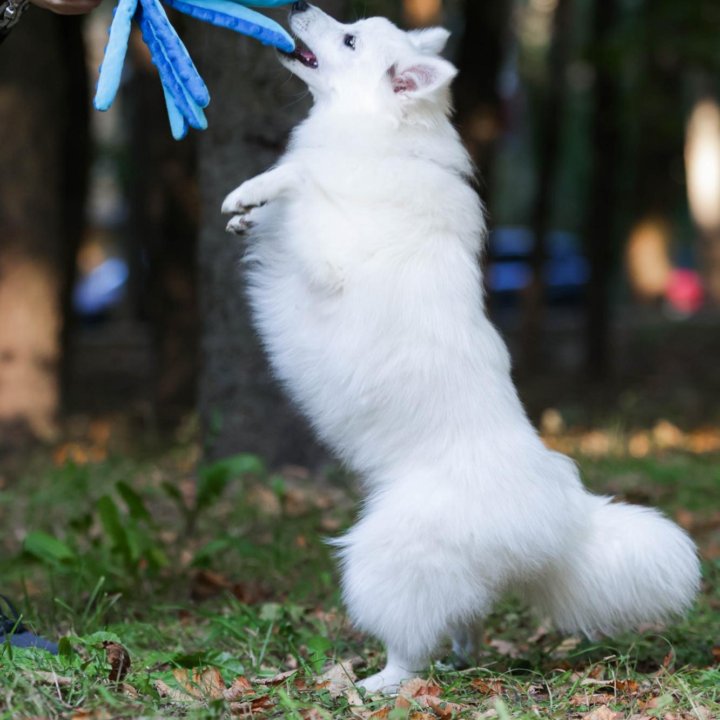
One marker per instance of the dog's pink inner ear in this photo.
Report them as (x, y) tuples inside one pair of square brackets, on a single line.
[(412, 78)]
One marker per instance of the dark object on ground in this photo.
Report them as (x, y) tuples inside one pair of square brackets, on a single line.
[(13, 631), (119, 660)]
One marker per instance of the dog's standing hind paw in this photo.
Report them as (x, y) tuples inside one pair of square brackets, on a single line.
[(387, 681)]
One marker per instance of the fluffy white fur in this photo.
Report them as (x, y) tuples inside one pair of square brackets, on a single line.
[(365, 285)]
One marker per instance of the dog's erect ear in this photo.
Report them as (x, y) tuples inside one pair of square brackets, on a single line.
[(429, 40), (421, 76)]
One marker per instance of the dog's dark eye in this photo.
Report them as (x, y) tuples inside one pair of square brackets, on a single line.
[(349, 41)]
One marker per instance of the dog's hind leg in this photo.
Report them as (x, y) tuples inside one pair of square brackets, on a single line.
[(409, 589), (397, 669), (466, 640)]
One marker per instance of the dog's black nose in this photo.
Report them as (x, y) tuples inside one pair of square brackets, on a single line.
[(300, 6)]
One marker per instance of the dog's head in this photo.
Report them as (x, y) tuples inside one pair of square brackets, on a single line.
[(369, 65)]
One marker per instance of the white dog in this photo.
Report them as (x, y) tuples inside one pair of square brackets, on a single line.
[(365, 284)]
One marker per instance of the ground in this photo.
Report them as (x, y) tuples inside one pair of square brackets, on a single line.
[(177, 598)]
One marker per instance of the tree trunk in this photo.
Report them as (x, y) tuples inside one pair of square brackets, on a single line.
[(476, 89), (600, 230), (551, 126), (34, 221), (164, 221), (254, 106)]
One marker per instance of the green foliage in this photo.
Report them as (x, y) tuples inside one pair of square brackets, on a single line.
[(48, 549), (214, 478), (90, 564)]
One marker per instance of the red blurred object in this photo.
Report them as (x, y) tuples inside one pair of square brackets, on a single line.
[(684, 291)]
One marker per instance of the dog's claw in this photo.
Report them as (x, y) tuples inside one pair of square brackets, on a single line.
[(233, 203), (239, 224)]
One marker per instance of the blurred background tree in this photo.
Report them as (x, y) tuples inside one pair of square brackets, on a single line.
[(596, 130), (43, 182)]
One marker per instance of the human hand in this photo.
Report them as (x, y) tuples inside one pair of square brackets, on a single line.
[(67, 7)]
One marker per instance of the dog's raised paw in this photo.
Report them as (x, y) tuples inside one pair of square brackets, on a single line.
[(239, 200), (232, 203), (239, 224)]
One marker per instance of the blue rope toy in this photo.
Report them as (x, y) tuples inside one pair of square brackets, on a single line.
[(185, 91)]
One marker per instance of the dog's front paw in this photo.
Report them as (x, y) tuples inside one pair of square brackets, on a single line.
[(239, 224), (252, 193), (238, 200)]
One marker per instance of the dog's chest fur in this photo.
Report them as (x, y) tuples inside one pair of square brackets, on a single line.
[(366, 289)]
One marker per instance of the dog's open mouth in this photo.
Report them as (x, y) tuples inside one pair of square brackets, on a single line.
[(302, 53)]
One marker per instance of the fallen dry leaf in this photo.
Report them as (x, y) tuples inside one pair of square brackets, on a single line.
[(566, 647), (265, 500), (595, 443), (172, 693), (658, 702), (51, 678), (251, 707), (627, 687), (551, 422), (129, 691), (205, 684), (537, 692), (603, 713), (207, 583), (329, 523), (704, 440), (489, 713), (418, 686), (340, 680), (669, 661), (591, 699), (541, 632), (685, 518), (296, 502), (119, 660), (278, 679), (504, 647), (443, 708), (381, 714), (703, 713), (312, 714), (201, 686), (251, 593), (337, 679), (240, 686), (666, 435), (639, 444), (210, 682), (94, 714), (488, 687), (426, 693)]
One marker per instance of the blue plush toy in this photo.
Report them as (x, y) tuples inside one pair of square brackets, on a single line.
[(185, 92)]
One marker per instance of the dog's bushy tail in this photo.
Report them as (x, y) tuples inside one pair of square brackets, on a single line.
[(633, 567)]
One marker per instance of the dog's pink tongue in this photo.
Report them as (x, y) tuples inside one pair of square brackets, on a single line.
[(308, 56)]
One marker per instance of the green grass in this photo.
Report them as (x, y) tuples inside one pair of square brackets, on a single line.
[(231, 576)]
